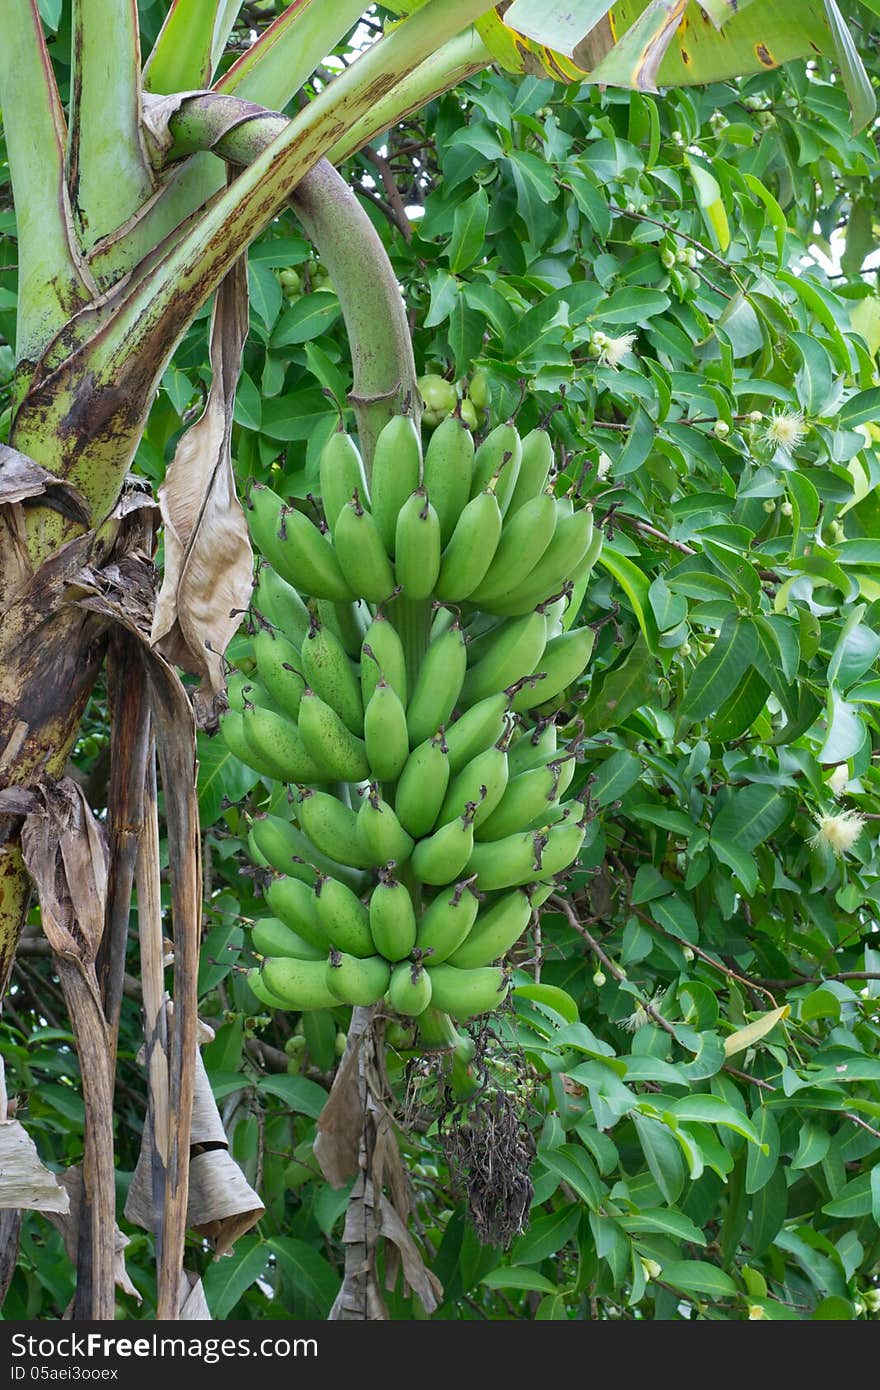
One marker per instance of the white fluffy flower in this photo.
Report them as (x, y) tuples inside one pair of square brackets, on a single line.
[(786, 429), (836, 783), (613, 350), (838, 832), (640, 1016)]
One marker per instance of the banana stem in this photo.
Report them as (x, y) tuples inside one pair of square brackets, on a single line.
[(372, 304), (413, 623)]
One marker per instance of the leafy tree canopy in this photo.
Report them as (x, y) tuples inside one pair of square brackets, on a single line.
[(683, 284)]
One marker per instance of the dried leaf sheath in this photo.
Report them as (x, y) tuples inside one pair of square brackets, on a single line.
[(208, 557)]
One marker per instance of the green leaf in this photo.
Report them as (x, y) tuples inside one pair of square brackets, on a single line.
[(554, 998), (226, 1280), (308, 318), (748, 817), (760, 1166), (856, 1199), (631, 306), (709, 1109), (662, 1155), (699, 1277), (636, 588), (265, 292), (720, 671), (468, 231), (312, 1278), (221, 777), (546, 1235), (855, 78), (614, 777), (295, 417), (744, 1038), (514, 1277), (302, 1096), (709, 198), (845, 734), (620, 691), (576, 1168), (660, 1221)]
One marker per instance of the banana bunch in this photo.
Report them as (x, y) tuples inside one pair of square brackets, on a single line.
[(410, 643)]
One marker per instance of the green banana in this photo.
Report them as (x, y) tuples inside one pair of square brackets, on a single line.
[(482, 781), (417, 547), (534, 469), (329, 672), (521, 858), (280, 603), (356, 981), (445, 924), (332, 827), (558, 565), (441, 857), (347, 621), (392, 918), (470, 549), (541, 891), (533, 748), (564, 659), (278, 663), (449, 465), (527, 800), (259, 989), (341, 471), (300, 984), (438, 685), (280, 743), (499, 457), (343, 918), (409, 992), (341, 754), (385, 733), (293, 901), (524, 539), (496, 929), (271, 937), (289, 851), (443, 619), (238, 688), (295, 547), (514, 653), (380, 831), (422, 786), (232, 734), (479, 727), (382, 655), (466, 993), (362, 555), (397, 469)]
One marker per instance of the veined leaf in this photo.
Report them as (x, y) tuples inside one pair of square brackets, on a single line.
[(709, 197), (754, 1032), (700, 1277), (720, 671), (636, 588)]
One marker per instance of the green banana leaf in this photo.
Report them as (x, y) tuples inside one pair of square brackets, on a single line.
[(654, 43)]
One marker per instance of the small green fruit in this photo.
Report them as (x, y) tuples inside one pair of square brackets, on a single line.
[(438, 394), (469, 414)]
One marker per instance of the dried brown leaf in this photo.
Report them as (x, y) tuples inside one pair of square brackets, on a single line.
[(65, 851), (26, 1182), (341, 1122), (221, 1204), (68, 1224), (208, 556)]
